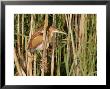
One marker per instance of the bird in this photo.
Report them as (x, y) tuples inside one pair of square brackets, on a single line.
[(36, 40)]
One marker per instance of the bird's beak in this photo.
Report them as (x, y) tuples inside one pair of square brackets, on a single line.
[(56, 31)]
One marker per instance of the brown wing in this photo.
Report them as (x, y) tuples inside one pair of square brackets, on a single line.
[(36, 40), (38, 32)]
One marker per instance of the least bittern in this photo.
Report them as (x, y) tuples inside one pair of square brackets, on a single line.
[(36, 41)]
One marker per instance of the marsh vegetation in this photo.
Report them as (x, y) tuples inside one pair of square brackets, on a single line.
[(73, 54)]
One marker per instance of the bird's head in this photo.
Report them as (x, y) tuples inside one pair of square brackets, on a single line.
[(53, 30)]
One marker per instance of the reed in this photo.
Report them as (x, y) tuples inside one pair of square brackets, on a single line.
[(74, 54)]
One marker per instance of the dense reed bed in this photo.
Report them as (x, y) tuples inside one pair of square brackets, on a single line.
[(73, 54)]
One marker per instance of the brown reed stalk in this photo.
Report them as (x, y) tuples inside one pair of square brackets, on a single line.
[(81, 32), (34, 70), (44, 56), (18, 33), (17, 63), (68, 47), (72, 38), (20, 56), (68, 21), (83, 41), (30, 56), (53, 47), (22, 33), (22, 59), (76, 29), (19, 68), (34, 63)]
